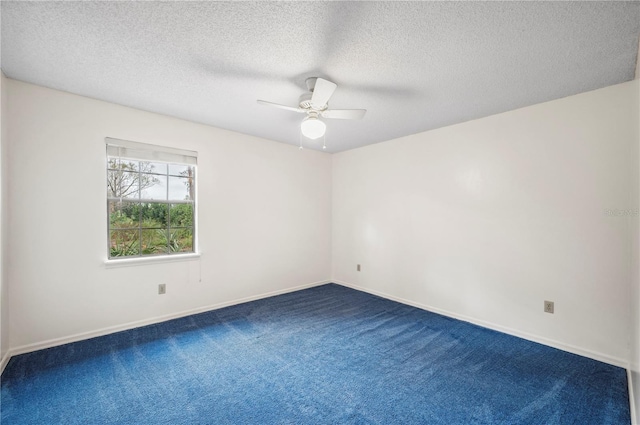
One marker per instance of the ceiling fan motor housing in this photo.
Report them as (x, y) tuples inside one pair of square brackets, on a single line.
[(305, 101)]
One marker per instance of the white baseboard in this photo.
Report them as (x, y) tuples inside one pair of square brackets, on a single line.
[(131, 325), (525, 335), (5, 359), (635, 420)]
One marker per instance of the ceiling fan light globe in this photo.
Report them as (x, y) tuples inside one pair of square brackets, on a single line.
[(313, 128)]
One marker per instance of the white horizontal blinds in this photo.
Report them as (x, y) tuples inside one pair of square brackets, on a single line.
[(146, 152)]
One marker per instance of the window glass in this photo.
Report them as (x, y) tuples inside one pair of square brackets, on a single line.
[(154, 215), (124, 243), (153, 168), (180, 170), (153, 186), (122, 184), (151, 207), (181, 215), (154, 241), (122, 164), (124, 215), (180, 188), (184, 237)]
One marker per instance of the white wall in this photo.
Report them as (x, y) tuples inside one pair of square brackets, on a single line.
[(635, 283), (4, 299), (487, 219), (264, 218)]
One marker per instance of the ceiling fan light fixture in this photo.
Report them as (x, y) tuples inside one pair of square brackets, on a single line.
[(313, 128)]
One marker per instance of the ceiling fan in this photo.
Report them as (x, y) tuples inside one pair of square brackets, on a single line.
[(315, 105)]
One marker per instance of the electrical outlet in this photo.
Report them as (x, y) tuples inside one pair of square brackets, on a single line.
[(358, 268), (548, 307), (162, 288)]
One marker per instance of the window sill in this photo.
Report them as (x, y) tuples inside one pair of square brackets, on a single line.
[(140, 261)]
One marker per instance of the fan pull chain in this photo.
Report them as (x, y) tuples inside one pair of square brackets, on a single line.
[(324, 141), (300, 137)]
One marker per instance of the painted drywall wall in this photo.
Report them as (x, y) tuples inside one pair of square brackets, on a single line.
[(4, 299), (487, 219), (3, 324), (263, 208), (634, 297), (638, 61)]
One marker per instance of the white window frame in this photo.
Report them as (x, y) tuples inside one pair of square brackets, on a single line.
[(137, 151)]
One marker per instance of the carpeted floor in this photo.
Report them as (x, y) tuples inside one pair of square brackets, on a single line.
[(326, 355)]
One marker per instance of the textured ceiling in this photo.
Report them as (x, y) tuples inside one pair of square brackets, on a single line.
[(414, 66)]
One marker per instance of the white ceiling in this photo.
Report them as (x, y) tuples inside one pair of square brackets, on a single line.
[(414, 66)]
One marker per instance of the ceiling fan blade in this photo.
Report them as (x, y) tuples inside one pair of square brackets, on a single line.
[(345, 114), (277, 105), (322, 91)]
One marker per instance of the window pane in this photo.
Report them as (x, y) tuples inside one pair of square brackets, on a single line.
[(181, 170), (181, 188), (184, 239), (122, 164), (154, 241), (181, 215), (123, 243), (153, 167), (124, 215), (169, 239), (154, 215), (122, 184), (153, 187)]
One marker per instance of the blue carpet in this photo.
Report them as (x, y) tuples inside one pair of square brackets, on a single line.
[(326, 355)]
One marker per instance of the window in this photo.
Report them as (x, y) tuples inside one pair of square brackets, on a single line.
[(151, 197)]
